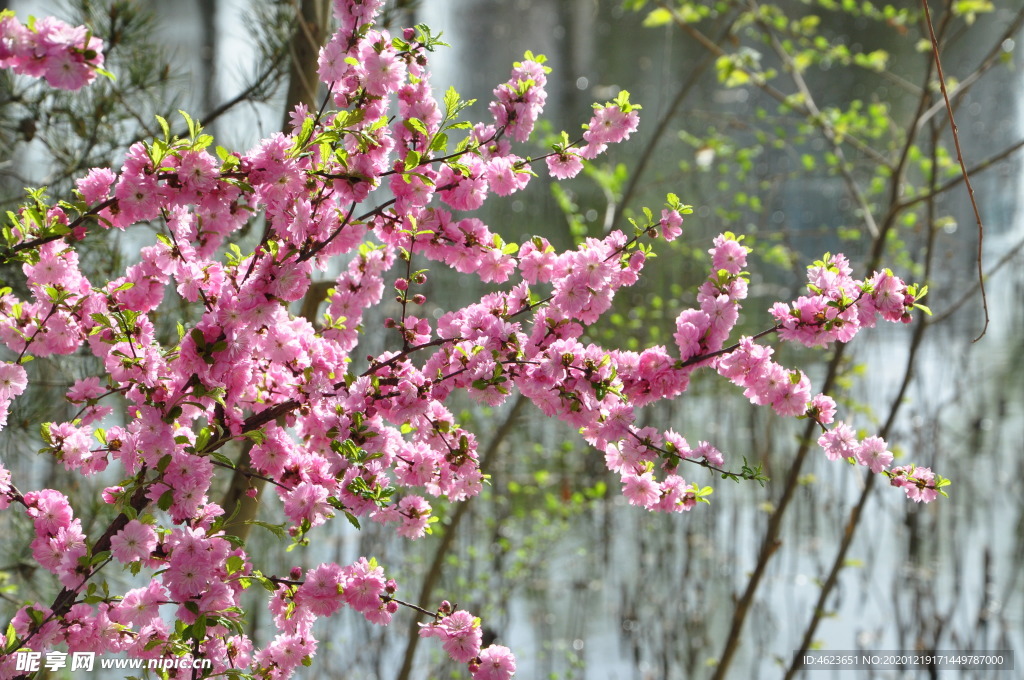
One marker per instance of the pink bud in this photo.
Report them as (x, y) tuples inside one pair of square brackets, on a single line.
[(111, 493)]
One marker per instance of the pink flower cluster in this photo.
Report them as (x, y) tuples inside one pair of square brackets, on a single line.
[(836, 309), (838, 306), (461, 637), (67, 57), (518, 103), (611, 123), (334, 428), (59, 541), (13, 381)]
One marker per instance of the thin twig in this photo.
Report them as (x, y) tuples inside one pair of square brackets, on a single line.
[(972, 291), (963, 166), (988, 62), (955, 181)]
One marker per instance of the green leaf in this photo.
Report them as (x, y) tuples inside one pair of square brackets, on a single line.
[(44, 432), (165, 127), (193, 127), (105, 73), (658, 17), (416, 125), (277, 529), (352, 519), (305, 134), (255, 436), (234, 564)]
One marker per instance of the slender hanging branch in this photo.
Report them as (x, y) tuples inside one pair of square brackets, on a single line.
[(963, 166)]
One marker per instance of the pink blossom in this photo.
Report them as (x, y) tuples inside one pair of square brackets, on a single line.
[(641, 489), (463, 192), (384, 71), (5, 487), (307, 502), (791, 396), (503, 177), (332, 64), (709, 453), (822, 409), (888, 294), (873, 453), (44, 635), (415, 516), (330, 419), (677, 495), (496, 663), (13, 380), (95, 186), (286, 652), (51, 49), (134, 542), (917, 482), (321, 592), (537, 260), (49, 510), (610, 125), (363, 586), (564, 165), (186, 579), (85, 389), (691, 327), (518, 102), (138, 199), (460, 634), (671, 224), (73, 446), (729, 255), (839, 442), (140, 606)]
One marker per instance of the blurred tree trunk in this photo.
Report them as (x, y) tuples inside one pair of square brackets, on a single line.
[(208, 53), (311, 22)]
